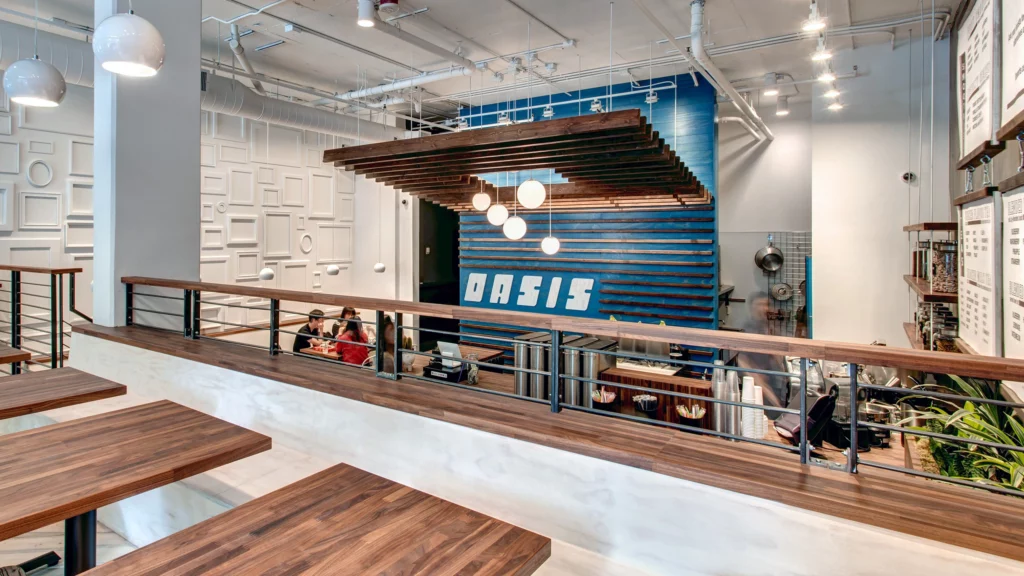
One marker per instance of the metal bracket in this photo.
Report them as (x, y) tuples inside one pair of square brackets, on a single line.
[(1020, 144), (986, 178), (969, 180)]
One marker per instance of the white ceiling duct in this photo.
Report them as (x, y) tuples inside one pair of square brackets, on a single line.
[(407, 83), (72, 58), (227, 96)]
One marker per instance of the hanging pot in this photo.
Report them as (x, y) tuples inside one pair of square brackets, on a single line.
[(782, 292), (769, 258)]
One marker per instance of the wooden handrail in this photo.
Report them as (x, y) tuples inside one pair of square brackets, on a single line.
[(38, 270), (938, 362)]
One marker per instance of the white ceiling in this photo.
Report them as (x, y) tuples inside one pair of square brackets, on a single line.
[(481, 26)]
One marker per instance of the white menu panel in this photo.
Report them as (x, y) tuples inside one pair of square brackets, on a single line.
[(1013, 59), (1013, 274), (978, 305), (975, 51)]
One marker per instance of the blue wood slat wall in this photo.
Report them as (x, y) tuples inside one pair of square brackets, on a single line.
[(646, 265)]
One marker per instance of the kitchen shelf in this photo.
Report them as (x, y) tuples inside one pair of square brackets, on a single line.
[(924, 291), (911, 329), (931, 227)]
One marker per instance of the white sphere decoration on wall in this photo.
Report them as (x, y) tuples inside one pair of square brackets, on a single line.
[(531, 194), (128, 44), (497, 214), (514, 228), (267, 274), (379, 268), (481, 201), (333, 270), (33, 82), (550, 245)]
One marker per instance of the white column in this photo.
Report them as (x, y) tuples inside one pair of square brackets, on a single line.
[(146, 195)]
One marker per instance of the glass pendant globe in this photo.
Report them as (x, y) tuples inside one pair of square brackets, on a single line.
[(497, 214), (481, 201), (267, 274), (33, 82), (333, 270), (514, 228), (379, 268), (129, 45), (531, 194), (550, 245)]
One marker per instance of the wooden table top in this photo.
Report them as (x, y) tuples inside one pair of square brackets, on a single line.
[(482, 355), (320, 353), (10, 355), (57, 472), (341, 521), (680, 381), (48, 389)]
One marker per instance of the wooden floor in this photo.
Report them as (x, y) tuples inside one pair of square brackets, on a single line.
[(49, 389), (342, 521), (973, 519)]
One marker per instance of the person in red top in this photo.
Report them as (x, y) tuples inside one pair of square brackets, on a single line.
[(353, 353)]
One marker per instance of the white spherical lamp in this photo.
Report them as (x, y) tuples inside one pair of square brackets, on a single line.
[(531, 194), (550, 245), (379, 268), (33, 82), (129, 45), (333, 270), (267, 274), (497, 214), (481, 201), (514, 228)]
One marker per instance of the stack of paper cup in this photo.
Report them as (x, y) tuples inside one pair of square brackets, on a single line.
[(748, 417)]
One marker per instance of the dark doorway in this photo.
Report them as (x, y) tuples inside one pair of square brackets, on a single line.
[(439, 269)]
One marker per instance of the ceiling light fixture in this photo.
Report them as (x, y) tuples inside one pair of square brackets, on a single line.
[(271, 45), (531, 194), (835, 106), (770, 81), (822, 53), (652, 98), (782, 107), (504, 119), (832, 92), (366, 9), (514, 228), (827, 77), (32, 82), (549, 112), (129, 45), (814, 22), (595, 106)]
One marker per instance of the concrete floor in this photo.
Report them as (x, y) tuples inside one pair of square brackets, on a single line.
[(51, 538)]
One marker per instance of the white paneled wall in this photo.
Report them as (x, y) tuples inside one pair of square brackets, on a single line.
[(266, 201)]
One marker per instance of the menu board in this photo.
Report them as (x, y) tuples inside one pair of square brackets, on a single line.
[(1013, 274), (978, 303), (975, 51), (1013, 59)]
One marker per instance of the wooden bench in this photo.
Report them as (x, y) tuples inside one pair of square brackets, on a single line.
[(66, 471), (10, 355), (342, 521), (48, 389)]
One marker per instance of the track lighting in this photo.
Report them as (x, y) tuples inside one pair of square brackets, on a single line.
[(503, 119), (814, 22), (832, 92), (770, 81), (595, 106), (129, 45), (782, 107), (366, 9), (652, 98), (822, 53), (531, 194), (827, 77), (549, 112), (835, 106)]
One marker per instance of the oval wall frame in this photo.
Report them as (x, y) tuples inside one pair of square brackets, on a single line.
[(306, 243), (39, 173)]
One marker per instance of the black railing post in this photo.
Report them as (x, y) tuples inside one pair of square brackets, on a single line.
[(555, 386), (60, 317), (804, 450), (381, 348), (71, 297), (186, 313), (398, 346), (129, 304), (275, 326), (852, 454), (53, 321), (16, 316), (197, 323)]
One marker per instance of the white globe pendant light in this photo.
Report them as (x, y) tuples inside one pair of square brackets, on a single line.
[(514, 228), (129, 45), (550, 245), (379, 267), (481, 201), (497, 214), (333, 270), (267, 274), (531, 194), (33, 82)]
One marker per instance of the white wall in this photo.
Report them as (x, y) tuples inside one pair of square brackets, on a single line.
[(859, 204)]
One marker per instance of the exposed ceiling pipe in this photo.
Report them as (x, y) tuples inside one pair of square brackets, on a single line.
[(72, 58), (236, 48), (228, 96), (252, 12), (671, 39), (742, 122), (404, 36), (541, 22), (53, 21), (406, 83)]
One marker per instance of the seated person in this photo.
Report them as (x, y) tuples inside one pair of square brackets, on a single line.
[(389, 345), (307, 335), (353, 353), (347, 313)]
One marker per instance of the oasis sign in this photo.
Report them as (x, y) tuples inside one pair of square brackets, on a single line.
[(529, 292)]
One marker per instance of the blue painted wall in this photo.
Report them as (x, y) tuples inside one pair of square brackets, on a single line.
[(674, 249)]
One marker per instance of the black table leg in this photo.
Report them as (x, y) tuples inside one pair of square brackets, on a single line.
[(80, 543)]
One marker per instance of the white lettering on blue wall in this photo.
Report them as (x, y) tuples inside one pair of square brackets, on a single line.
[(530, 291)]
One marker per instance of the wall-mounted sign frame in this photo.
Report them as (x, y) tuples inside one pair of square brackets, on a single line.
[(1012, 40), (980, 274), (978, 85)]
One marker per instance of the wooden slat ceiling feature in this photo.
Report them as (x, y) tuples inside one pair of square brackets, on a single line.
[(611, 160)]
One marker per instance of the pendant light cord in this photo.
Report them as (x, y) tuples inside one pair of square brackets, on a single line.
[(611, 27), (35, 35)]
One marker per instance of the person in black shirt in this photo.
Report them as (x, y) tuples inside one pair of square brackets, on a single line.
[(307, 336)]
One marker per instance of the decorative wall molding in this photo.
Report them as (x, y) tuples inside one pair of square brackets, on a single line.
[(277, 234), (208, 155), (243, 230), (7, 206), (294, 187), (321, 196), (334, 243), (39, 211), (80, 160), (247, 266), (6, 125), (10, 157), (271, 195), (232, 128), (79, 198), (212, 238), (207, 213), (39, 173), (266, 175), (213, 183), (306, 243), (236, 154), (40, 147), (241, 187), (78, 235)]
